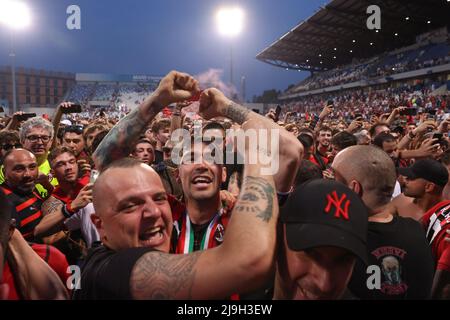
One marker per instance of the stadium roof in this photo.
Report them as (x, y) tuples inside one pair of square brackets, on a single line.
[(338, 32)]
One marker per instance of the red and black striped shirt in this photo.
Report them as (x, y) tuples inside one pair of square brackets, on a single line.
[(27, 210)]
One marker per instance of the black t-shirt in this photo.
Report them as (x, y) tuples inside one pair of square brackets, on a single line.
[(400, 250), (159, 157), (106, 273)]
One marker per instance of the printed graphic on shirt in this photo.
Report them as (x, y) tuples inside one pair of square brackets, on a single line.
[(390, 261)]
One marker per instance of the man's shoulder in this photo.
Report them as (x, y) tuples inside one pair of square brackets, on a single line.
[(442, 207)]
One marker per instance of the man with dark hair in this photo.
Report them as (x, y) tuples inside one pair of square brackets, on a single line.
[(323, 147), (321, 239), (387, 143), (378, 128), (395, 244), (89, 134), (340, 141), (73, 138), (144, 151), (306, 172), (68, 207), (8, 140), (161, 132)]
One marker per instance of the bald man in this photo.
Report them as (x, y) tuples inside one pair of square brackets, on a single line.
[(370, 173), (135, 226), (21, 171), (135, 222)]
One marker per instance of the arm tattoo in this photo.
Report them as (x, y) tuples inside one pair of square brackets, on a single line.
[(51, 206), (163, 276), (118, 143), (257, 197), (237, 113)]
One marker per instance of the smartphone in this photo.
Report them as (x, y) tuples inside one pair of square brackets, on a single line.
[(25, 116), (409, 112), (278, 111), (1, 109), (438, 136), (74, 108), (94, 176), (358, 116), (330, 103), (432, 112)]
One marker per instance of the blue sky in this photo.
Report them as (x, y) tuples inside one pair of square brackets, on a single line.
[(156, 36)]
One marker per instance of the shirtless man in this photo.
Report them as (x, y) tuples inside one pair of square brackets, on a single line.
[(424, 185)]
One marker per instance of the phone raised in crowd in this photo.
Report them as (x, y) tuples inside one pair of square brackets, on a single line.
[(330, 103), (1, 109), (278, 110), (409, 112), (25, 116), (438, 136), (74, 108), (94, 176)]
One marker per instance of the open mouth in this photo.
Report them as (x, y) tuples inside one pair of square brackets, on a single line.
[(201, 181), (152, 237)]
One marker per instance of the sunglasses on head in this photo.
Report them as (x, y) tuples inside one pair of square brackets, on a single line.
[(76, 129)]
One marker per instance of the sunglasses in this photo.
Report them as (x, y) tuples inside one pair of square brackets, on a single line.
[(76, 129), (8, 146)]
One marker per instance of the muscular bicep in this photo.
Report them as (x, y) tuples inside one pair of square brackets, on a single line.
[(198, 275), (51, 206)]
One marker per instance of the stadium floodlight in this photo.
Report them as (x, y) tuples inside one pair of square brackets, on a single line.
[(371, 43), (428, 21), (354, 40), (407, 18), (335, 49), (15, 14), (230, 21)]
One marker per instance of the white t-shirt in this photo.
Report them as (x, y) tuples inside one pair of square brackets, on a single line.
[(82, 220), (397, 190)]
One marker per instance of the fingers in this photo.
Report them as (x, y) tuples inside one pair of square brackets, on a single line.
[(87, 188), (186, 82)]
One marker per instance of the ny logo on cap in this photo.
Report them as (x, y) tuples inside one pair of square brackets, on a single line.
[(341, 208)]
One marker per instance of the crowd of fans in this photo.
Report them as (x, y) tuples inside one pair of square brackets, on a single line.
[(369, 103), (381, 66), (361, 184), (116, 94)]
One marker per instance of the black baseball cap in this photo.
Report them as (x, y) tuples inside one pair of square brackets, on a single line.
[(428, 169), (326, 213)]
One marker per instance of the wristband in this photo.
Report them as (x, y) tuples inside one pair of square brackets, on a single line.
[(67, 211)]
